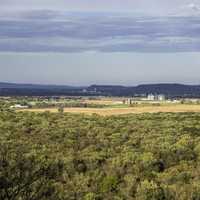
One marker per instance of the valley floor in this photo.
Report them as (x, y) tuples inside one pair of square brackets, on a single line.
[(128, 110)]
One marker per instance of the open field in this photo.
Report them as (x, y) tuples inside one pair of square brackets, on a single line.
[(103, 102), (120, 111)]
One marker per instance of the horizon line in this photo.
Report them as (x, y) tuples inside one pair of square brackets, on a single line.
[(94, 84)]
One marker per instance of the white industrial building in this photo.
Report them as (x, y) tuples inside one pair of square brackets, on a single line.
[(18, 106), (159, 97)]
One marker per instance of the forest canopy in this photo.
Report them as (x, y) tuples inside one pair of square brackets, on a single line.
[(52, 156)]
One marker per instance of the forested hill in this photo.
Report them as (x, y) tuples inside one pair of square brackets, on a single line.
[(171, 90), (33, 86), (167, 89), (13, 89)]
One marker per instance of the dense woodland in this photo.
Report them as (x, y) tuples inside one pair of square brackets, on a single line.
[(57, 156)]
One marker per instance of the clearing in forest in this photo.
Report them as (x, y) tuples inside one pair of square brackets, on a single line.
[(119, 111)]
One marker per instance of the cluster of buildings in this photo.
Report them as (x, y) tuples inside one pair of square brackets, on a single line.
[(156, 97), (149, 97)]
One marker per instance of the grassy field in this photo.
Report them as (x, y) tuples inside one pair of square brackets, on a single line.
[(119, 111), (104, 101)]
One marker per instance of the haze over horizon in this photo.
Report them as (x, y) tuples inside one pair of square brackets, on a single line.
[(82, 42)]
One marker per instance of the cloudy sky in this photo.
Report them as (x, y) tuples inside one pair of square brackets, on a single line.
[(146, 6), (81, 42)]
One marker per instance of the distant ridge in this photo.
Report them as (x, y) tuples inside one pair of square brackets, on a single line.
[(16, 89), (169, 89), (173, 89), (27, 85)]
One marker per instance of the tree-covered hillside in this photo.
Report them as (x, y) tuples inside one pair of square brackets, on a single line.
[(77, 157)]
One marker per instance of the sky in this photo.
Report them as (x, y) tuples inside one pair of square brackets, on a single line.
[(146, 6), (83, 42)]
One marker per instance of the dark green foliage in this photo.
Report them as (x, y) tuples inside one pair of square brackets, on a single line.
[(109, 184), (26, 176), (46, 156), (61, 109)]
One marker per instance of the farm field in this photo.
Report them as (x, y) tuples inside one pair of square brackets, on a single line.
[(104, 101), (125, 110)]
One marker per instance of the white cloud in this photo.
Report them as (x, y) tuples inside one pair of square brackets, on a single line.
[(193, 6), (191, 9)]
